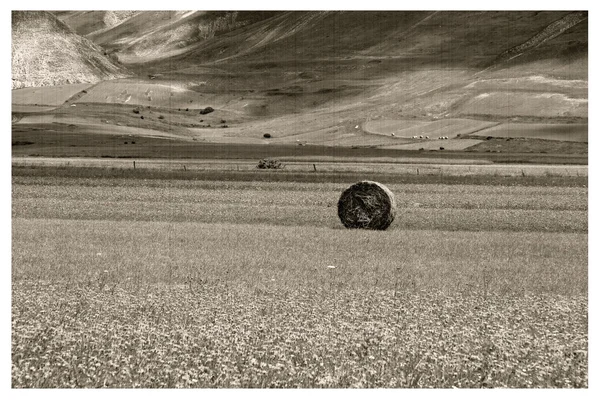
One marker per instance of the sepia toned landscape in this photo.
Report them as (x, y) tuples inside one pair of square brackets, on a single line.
[(175, 187)]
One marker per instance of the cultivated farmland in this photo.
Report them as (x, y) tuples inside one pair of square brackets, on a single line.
[(564, 132), (129, 282), (408, 129)]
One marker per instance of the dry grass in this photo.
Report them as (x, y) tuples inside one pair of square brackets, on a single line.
[(53, 95), (408, 128), (434, 207), (133, 91), (224, 335), (125, 283), (527, 104), (557, 132)]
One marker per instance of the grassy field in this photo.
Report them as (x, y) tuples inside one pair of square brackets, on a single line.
[(138, 92), (557, 132), (559, 177), (515, 103), (64, 140), (125, 281), (407, 129), (295, 167), (510, 145), (53, 96)]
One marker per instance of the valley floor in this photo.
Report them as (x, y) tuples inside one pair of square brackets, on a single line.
[(133, 280)]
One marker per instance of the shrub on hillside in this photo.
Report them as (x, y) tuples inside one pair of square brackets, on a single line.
[(207, 110)]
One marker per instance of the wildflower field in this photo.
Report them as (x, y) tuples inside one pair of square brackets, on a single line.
[(133, 282)]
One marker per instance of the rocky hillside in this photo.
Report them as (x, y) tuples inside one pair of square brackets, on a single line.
[(86, 22), (148, 35), (46, 52), (438, 39), (497, 66)]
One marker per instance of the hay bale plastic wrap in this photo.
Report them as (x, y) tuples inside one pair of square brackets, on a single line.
[(367, 205)]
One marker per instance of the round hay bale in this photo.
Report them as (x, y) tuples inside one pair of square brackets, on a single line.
[(367, 205)]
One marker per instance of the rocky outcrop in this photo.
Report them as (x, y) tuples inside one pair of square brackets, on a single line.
[(46, 52)]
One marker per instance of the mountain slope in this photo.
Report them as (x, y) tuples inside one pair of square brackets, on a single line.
[(46, 52), (160, 40), (328, 77), (147, 35), (87, 22), (423, 39), (548, 33)]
